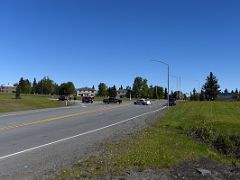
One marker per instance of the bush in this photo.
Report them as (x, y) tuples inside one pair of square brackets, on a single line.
[(223, 144), (202, 132)]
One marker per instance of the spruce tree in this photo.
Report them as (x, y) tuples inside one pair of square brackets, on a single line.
[(18, 92), (211, 87)]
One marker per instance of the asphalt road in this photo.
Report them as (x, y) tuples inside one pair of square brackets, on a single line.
[(36, 144)]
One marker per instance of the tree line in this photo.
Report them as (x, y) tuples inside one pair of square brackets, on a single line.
[(139, 89), (45, 86), (210, 90)]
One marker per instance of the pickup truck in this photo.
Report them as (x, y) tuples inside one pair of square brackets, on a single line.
[(87, 99), (112, 100)]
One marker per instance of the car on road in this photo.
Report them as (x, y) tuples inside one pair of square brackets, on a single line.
[(63, 98), (87, 99), (172, 102), (112, 100), (142, 102)]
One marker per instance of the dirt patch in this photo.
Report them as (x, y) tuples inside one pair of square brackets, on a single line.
[(202, 169)]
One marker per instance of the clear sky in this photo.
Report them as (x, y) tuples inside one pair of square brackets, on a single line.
[(112, 41)]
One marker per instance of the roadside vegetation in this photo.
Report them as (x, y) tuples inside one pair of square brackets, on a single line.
[(189, 131), (9, 103)]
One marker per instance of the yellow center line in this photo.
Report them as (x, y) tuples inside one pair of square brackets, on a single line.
[(13, 126)]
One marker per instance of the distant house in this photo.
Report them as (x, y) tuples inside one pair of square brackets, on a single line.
[(121, 93), (86, 91), (227, 96), (7, 88)]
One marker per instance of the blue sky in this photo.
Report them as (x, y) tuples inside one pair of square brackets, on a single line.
[(113, 41)]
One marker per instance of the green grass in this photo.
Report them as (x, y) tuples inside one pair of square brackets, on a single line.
[(165, 144), (9, 103)]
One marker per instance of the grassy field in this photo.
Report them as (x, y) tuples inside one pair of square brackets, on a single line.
[(167, 142), (8, 103)]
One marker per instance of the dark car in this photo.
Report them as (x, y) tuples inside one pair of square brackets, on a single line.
[(87, 99), (172, 102), (112, 100), (62, 98)]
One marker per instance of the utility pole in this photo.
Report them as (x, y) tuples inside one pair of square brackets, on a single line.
[(168, 74), (156, 93)]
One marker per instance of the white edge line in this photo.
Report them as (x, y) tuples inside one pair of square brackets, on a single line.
[(72, 137)]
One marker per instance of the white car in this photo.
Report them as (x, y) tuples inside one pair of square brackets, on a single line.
[(142, 102), (148, 102)]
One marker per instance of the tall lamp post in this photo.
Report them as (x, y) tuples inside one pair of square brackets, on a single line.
[(168, 67)]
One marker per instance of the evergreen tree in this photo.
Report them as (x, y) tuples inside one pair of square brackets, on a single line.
[(226, 91), (211, 87), (34, 86), (25, 86), (102, 90), (194, 95), (113, 91), (165, 93), (18, 92), (185, 97), (236, 91), (129, 89), (202, 96)]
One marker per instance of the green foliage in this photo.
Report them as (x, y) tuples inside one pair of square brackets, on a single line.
[(112, 91), (67, 89), (18, 92), (194, 96), (102, 90), (129, 91), (211, 87), (25, 86), (45, 86), (156, 92), (34, 86), (140, 88), (165, 93), (202, 96)]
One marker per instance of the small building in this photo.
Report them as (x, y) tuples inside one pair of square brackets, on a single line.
[(121, 93), (7, 88), (86, 91)]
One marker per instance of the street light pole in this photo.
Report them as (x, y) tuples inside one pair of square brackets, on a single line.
[(168, 74), (168, 86)]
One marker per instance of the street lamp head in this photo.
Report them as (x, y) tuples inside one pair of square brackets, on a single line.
[(154, 60)]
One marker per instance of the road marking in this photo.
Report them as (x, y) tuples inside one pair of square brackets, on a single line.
[(78, 135), (13, 126), (36, 111)]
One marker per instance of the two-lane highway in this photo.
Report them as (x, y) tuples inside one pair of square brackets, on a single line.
[(35, 144)]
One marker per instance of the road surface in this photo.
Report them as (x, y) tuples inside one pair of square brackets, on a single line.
[(36, 144)]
